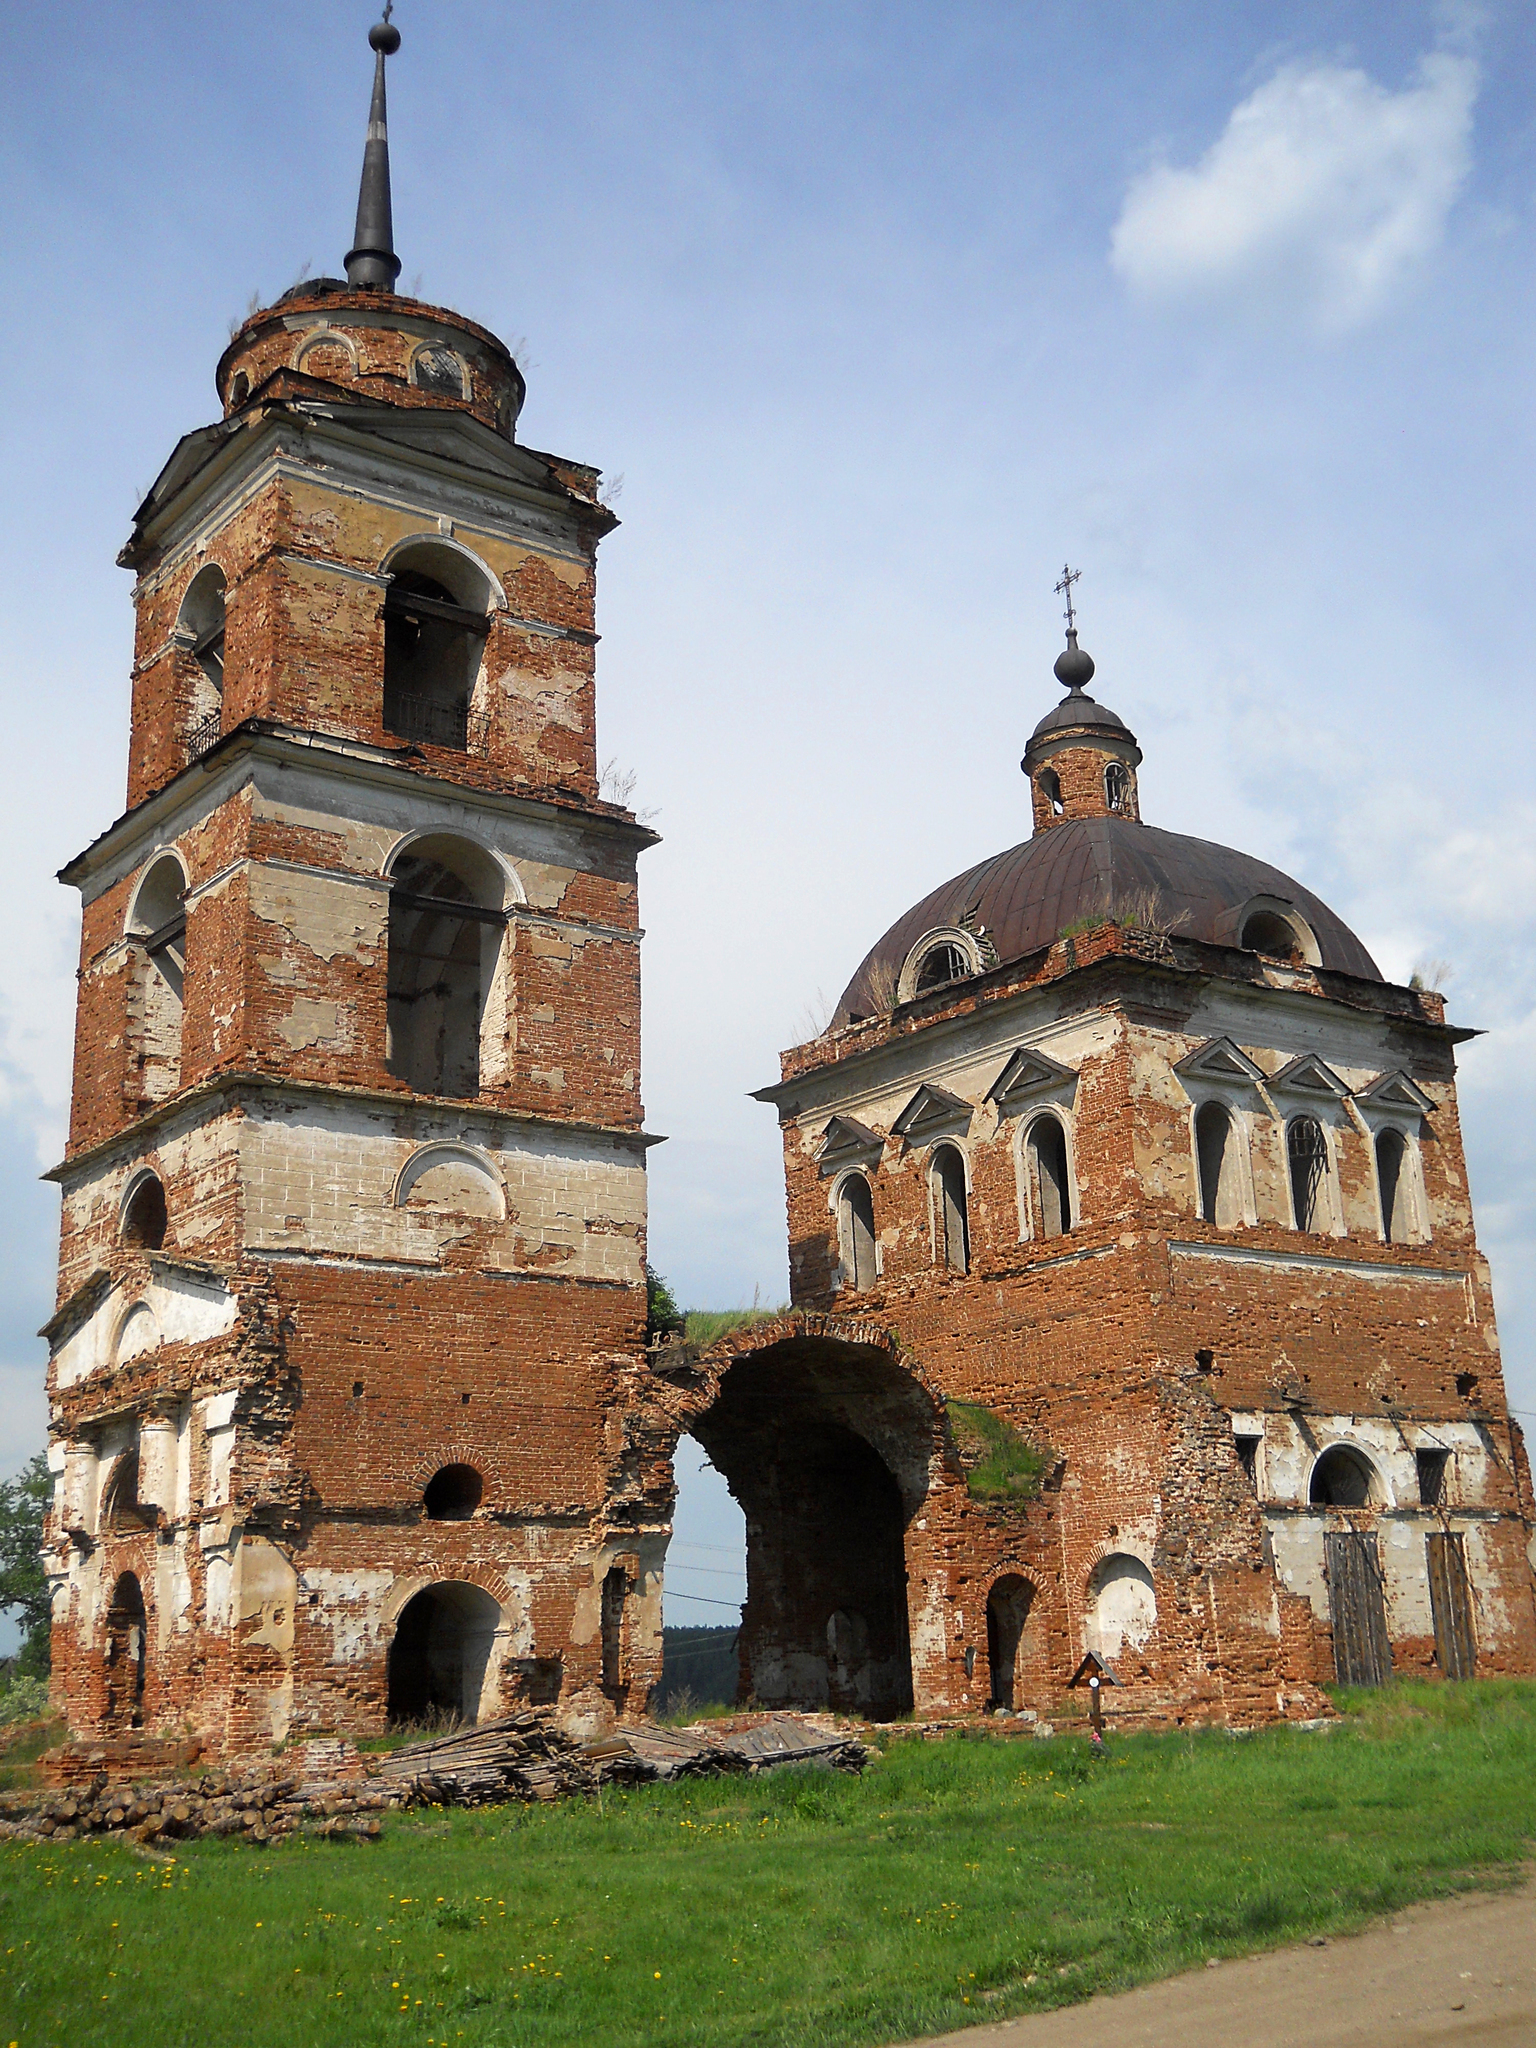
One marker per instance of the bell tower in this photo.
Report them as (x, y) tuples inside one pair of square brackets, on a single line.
[(353, 1244)]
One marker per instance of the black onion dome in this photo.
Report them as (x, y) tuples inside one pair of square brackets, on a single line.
[(1098, 867)]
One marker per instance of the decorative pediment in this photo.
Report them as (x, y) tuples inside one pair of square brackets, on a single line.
[(1219, 1060), (1308, 1075), (931, 1111), (846, 1142), (1394, 1090), (1028, 1075)]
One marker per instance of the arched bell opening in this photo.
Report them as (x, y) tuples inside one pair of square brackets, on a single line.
[(825, 1446), (126, 1655), (440, 1656)]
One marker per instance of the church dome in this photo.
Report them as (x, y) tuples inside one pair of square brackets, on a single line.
[(1104, 868)]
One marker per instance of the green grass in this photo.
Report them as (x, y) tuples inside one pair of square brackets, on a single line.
[(1001, 1464), (705, 1325), (958, 1880)]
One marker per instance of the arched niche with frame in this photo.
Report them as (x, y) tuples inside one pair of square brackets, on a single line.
[(446, 967)]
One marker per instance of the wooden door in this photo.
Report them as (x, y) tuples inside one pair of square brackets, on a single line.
[(1450, 1600), (1362, 1653)]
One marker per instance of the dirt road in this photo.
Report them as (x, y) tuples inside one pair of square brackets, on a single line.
[(1459, 1971)]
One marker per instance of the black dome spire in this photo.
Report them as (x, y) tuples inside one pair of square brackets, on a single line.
[(372, 265)]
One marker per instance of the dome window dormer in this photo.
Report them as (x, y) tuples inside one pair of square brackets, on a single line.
[(940, 957)]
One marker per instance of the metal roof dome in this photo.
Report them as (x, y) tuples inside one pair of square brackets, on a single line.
[(1099, 867)]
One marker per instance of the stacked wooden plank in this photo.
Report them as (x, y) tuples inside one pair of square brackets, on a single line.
[(326, 1788)]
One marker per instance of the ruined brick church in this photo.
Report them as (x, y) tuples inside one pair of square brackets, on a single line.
[(1119, 1154)]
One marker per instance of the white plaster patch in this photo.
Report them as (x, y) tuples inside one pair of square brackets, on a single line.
[(178, 1307)]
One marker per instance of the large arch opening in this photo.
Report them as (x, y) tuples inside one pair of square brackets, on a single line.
[(440, 1656), (825, 1446)]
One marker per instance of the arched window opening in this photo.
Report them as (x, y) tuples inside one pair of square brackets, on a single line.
[(433, 643), (446, 924), (453, 1493), (144, 1215), (617, 1588), (1345, 1478), (1392, 1179), (1307, 1152), (951, 1224), (856, 1232), (1117, 785), (940, 966), (1008, 1606), (122, 1512), (127, 1653), (440, 1657), (202, 623), (1048, 782), (158, 927), (1267, 932), (1052, 1190), (1216, 1154)]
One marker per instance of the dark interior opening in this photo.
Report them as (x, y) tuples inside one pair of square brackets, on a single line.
[(1342, 1478), (432, 648), (1008, 1606), (825, 1619), (145, 1219), (858, 1232), (438, 971), (1268, 933), (439, 1654), (453, 1493), (941, 966), (1431, 1475), (1213, 1132), (950, 1214), (1048, 1152), (126, 1654)]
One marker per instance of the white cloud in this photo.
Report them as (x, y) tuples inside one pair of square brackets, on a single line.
[(1325, 190)]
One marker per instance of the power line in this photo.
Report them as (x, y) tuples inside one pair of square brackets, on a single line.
[(708, 1571), (730, 1606)]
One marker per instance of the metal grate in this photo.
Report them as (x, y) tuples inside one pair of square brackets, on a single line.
[(205, 734), (431, 722)]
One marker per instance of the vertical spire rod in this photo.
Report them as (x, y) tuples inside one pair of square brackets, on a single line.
[(372, 265)]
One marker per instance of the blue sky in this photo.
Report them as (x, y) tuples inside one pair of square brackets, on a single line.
[(879, 312)]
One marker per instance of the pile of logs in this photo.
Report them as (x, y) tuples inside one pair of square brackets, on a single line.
[(256, 1806), (327, 1788)]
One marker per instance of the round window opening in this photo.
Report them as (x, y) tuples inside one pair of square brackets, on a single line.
[(453, 1494)]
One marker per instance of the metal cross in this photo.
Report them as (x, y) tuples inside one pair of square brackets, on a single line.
[(389, 8), (1064, 589)]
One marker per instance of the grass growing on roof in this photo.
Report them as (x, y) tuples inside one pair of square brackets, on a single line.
[(705, 1325), (956, 1881), (1001, 1464)]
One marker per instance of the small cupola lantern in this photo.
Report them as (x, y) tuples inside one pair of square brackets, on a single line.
[(1081, 760)]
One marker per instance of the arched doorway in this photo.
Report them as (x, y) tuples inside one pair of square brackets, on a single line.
[(1008, 1606), (441, 1652), (126, 1654), (825, 1445)]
